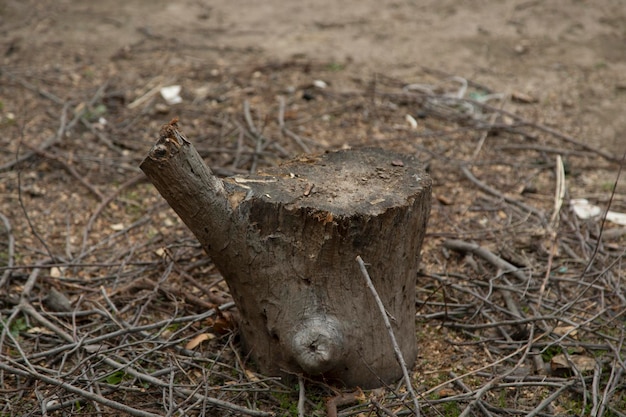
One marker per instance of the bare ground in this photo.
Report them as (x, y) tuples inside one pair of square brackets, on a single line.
[(102, 287)]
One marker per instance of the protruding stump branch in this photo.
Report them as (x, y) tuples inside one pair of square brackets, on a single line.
[(286, 241)]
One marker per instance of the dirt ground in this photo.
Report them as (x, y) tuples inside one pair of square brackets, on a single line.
[(80, 108), (568, 54)]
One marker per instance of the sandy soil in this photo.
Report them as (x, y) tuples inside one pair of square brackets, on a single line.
[(568, 54)]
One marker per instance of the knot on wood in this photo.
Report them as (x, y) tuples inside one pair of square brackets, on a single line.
[(317, 345)]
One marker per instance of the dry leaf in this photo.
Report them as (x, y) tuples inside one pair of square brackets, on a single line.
[(193, 343), (446, 392), (565, 330), (251, 376), (523, 98), (559, 363), (39, 330), (222, 324)]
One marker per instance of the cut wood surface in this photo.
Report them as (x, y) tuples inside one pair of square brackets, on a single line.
[(286, 241)]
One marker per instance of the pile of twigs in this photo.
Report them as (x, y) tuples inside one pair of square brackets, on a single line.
[(523, 300)]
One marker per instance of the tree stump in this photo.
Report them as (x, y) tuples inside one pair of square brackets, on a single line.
[(286, 240)]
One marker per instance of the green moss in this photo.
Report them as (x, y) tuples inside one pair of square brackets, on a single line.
[(18, 325), (607, 186), (550, 353), (287, 404), (450, 409), (336, 66), (115, 378)]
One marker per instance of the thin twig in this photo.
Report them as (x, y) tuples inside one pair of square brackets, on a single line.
[(392, 337), (63, 128), (301, 396), (27, 216), (75, 390), (132, 181), (32, 87), (382, 408), (283, 128), (493, 191), (137, 374), (467, 389), (559, 195), (606, 211), (70, 169), (485, 133), (10, 252), (255, 133), (549, 399)]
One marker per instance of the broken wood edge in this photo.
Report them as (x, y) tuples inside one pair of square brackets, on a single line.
[(171, 141), (192, 190)]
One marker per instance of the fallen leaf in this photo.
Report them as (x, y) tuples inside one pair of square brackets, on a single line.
[(39, 330), (523, 97), (559, 363), (222, 324), (251, 376), (565, 330), (195, 342), (446, 392)]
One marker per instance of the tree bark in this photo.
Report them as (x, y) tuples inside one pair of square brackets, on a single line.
[(286, 242)]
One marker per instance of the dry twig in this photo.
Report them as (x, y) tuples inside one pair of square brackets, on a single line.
[(392, 337)]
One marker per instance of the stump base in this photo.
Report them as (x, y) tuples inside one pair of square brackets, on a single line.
[(286, 242)]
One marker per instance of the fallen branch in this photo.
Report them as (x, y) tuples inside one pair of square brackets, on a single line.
[(486, 254)]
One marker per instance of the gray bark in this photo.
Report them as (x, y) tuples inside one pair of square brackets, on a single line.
[(286, 242)]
